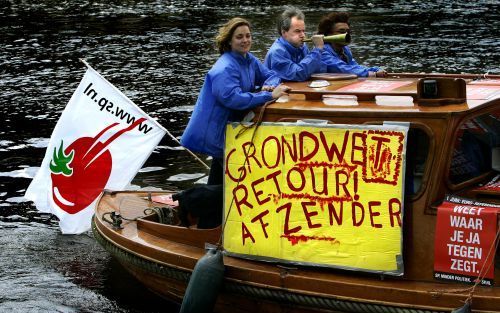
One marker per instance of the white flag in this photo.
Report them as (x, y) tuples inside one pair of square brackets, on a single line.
[(101, 141)]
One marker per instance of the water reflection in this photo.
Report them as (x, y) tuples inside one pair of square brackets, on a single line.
[(157, 53)]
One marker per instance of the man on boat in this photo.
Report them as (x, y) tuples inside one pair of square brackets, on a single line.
[(289, 57), (337, 56)]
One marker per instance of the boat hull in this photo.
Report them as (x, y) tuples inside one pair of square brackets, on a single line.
[(162, 257)]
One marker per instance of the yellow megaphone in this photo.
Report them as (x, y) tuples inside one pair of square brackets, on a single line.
[(343, 39)]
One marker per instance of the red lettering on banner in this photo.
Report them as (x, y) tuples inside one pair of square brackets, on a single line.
[(357, 221), (264, 149), (259, 218), (274, 176), (295, 239), (372, 204), (343, 183), (258, 193), (360, 148), (308, 214), (302, 180), (291, 151), (333, 150), (243, 200), (324, 183), (310, 154), (464, 234), (249, 151), (310, 176), (287, 230), (380, 155), (381, 158), (332, 213), (245, 233), (241, 170), (395, 213)]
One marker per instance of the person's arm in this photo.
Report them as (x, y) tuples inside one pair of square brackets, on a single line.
[(226, 87), (336, 65), (265, 77), (283, 65)]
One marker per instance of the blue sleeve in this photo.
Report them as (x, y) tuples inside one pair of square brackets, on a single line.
[(336, 65), (289, 70), (265, 76), (226, 88)]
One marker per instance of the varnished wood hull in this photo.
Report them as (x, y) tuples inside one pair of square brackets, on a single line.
[(163, 256)]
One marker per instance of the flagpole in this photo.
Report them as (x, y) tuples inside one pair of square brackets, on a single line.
[(85, 63), (194, 155)]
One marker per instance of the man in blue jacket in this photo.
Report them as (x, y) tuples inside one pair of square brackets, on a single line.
[(289, 57), (338, 57)]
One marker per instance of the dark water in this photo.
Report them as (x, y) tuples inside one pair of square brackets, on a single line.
[(157, 53)]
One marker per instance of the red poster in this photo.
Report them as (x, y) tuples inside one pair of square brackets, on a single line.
[(374, 86), (493, 185), (465, 233), (482, 92), (495, 82)]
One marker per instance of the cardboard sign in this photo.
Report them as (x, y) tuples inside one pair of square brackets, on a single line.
[(329, 195), (465, 233)]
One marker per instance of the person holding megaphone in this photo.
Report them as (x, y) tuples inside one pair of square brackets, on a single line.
[(337, 56), (288, 56)]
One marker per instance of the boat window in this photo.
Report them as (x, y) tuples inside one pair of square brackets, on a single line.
[(476, 148), (417, 150)]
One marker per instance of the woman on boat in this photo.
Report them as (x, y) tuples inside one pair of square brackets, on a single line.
[(236, 83), (338, 57)]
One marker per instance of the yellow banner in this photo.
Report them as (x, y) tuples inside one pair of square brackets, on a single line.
[(327, 195)]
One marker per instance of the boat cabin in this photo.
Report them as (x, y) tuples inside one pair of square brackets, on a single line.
[(453, 144)]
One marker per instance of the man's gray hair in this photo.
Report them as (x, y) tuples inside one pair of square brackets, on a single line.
[(285, 19)]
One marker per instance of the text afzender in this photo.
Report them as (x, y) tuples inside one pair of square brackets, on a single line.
[(335, 215)]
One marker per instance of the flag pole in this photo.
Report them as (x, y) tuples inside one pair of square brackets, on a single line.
[(194, 155), (84, 62)]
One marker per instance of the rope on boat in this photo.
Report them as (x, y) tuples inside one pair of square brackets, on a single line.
[(255, 126), (480, 277), (116, 219), (166, 215), (281, 296), (482, 272)]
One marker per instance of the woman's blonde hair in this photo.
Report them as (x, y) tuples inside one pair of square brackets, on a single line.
[(223, 39)]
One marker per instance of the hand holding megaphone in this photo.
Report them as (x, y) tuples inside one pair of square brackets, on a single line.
[(317, 41), (343, 39)]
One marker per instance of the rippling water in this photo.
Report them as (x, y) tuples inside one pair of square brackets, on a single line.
[(157, 53)]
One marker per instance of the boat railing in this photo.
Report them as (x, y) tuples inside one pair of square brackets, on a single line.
[(424, 91)]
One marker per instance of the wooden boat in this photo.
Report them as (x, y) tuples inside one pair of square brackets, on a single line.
[(163, 256)]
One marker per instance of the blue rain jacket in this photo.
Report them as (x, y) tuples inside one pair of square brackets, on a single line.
[(225, 96), (335, 64), (293, 64)]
